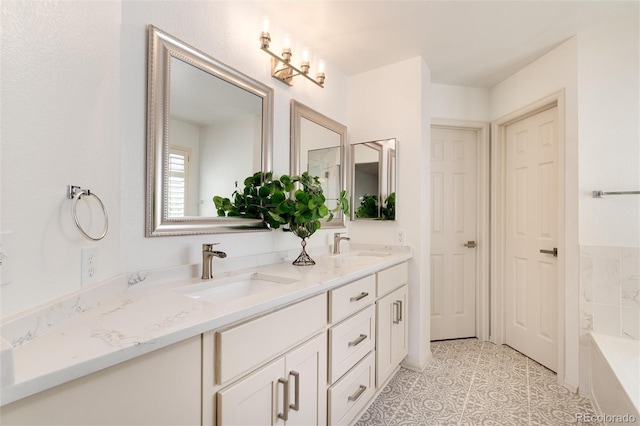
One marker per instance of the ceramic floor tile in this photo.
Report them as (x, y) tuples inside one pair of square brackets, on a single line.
[(473, 383)]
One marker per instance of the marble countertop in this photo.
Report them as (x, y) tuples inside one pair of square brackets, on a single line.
[(143, 319)]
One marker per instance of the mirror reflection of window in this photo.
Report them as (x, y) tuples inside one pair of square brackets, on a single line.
[(179, 170)]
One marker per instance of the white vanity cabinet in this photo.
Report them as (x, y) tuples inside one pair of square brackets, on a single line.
[(272, 369), (288, 391), (392, 326), (160, 388)]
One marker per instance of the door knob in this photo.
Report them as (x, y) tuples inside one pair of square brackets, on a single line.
[(470, 244)]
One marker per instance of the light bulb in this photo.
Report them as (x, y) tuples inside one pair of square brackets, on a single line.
[(287, 42), (265, 25), (305, 55), (321, 66)]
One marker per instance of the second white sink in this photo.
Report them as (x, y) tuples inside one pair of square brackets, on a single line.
[(232, 288), (361, 254)]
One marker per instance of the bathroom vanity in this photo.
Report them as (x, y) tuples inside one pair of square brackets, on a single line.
[(280, 345)]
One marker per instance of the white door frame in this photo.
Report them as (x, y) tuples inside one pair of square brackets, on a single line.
[(498, 221), (483, 247)]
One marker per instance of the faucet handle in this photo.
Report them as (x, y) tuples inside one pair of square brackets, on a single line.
[(208, 246)]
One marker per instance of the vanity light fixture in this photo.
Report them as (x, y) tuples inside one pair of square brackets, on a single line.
[(281, 66)]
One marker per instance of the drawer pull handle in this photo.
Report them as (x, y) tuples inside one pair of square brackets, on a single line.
[(359, 297), (285, 405), (358, 340), (358, 393), (296, 404)]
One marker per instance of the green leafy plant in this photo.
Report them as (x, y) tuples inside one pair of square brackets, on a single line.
[(369, 207), (296, 201)]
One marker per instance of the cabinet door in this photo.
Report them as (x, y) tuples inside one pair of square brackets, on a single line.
[(400, 330), (392, 333), (254, 400), (307, 372)]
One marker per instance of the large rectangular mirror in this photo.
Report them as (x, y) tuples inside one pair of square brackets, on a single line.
[(318, 145), (208, 127), (373, 180)]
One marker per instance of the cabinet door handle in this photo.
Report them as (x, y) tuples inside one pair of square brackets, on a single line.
[(358, 340), (359, 297), (285, 405), (296, 399), (358, 393), (396, 312), (400, 313)]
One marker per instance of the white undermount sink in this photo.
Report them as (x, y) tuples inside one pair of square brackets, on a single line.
[(232, 288), (361, 254)]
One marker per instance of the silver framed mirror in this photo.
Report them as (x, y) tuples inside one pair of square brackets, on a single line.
[(373, 180), (319, 146), (209, 126)]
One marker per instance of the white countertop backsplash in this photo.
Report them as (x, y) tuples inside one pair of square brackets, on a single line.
[(137, 313)]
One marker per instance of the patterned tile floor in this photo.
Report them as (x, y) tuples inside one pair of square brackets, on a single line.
[(470, 382)]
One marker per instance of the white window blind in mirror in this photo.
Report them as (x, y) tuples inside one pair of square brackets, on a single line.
[(178, 180)]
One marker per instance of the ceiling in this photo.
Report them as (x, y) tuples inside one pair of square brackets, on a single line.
[(464, 43)]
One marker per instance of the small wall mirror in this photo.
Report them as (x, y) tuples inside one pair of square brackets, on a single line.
[(318, 145), (208, 127), (373, 180)]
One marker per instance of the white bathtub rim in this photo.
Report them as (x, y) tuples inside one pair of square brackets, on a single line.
[(628, 381)]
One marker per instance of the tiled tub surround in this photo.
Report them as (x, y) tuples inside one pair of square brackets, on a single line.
[(609, 298), (470, 382), (117, 320)]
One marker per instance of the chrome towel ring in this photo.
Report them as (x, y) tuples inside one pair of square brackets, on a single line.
[(75, 193)]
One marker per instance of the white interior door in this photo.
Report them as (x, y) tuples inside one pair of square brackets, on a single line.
[(531, 226), (453, 224)]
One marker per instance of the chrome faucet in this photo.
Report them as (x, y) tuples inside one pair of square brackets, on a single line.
[(208, 253), (336, 242)]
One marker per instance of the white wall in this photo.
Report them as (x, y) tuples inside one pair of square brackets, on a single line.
[(609, 131), (74, 112), (399, 108), (60, 126), (460, 103)]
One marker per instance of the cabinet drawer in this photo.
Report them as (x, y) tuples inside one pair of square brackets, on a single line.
[(350, 298), (242, 347), (392, 278), (350, 341), (352, 393)]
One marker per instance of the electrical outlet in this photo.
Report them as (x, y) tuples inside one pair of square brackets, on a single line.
[(400, 237), (88, 264)]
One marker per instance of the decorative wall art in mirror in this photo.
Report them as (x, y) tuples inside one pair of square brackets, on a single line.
[(373, 180), (318, 145), (208, 127)]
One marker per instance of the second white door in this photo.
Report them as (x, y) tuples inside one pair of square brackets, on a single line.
[(453, 232), (531, 285)]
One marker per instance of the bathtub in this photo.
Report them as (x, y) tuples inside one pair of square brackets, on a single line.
[(615, 378)]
